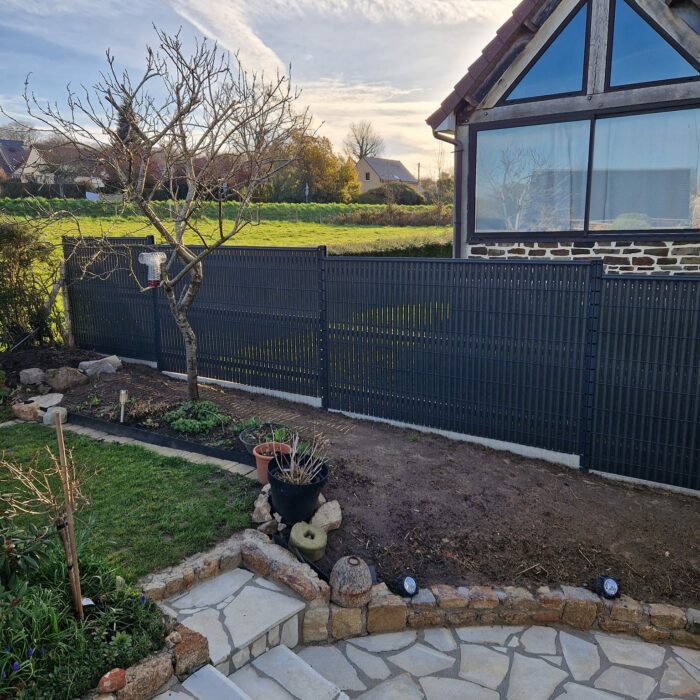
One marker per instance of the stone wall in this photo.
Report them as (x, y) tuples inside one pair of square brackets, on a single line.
[(620, 257)]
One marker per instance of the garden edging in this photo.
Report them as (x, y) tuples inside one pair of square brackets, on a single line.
[(435, 606)]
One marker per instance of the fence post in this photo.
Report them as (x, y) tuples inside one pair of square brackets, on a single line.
[(69, 338), (590, 364), (323, 326)]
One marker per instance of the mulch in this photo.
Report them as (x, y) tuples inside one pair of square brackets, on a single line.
[(458, 513)]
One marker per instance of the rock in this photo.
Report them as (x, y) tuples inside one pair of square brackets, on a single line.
[(311, 541), (32, 376), (112, 681), (269, 528), (65, 378), (105, 365), (581, 607), (667, 616), (449, 597), (172, 639), (482, 597), (27, 411), (346, 622), (94, 368), (626, 609), (388, 613), (51, 413), (262, 510), (120, 582), (351, 582), (46, 400), (43, 389), (693, 617), (146, 677), (296, 579), (191, 652), (315, 625), (328, 517)]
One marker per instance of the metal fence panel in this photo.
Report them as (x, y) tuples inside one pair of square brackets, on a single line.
[(646, 421), (256, 319), (494, 349), (534, 353), (108, 311)]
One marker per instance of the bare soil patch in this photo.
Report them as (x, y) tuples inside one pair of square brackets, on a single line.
[(452, 512)]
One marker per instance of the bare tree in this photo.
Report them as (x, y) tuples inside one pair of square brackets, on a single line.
[(363, 141), (195, 124), (18, 131)]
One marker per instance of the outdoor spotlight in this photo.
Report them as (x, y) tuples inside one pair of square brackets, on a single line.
[(123, 398), (607, 587), (407, 585)]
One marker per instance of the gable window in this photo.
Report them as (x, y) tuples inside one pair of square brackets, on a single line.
[(640, 54), (366, 176), (559, 69), (586, 177)]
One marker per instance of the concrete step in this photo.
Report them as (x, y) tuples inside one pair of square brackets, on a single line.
[(209, 684), (293, 675)]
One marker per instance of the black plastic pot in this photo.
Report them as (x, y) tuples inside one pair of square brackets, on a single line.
[(296, 503), (249, 439)]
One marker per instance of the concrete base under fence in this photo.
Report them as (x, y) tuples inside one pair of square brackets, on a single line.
[(567, 460)]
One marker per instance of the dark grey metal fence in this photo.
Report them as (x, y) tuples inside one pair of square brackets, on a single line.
[(546, 354)]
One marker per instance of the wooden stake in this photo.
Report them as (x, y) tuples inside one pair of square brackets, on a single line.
[(71, 549)]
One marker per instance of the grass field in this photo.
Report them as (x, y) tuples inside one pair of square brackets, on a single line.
[(145, 512), (339, 239)]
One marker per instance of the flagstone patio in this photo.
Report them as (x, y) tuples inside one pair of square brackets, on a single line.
[(253, 629)]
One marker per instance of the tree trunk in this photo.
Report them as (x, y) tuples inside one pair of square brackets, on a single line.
[(190, 339)]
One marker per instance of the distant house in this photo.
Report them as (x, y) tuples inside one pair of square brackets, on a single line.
[(13, 155), (375, 172), (577, 136)]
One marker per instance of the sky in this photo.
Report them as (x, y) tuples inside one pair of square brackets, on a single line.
[(389, 61)]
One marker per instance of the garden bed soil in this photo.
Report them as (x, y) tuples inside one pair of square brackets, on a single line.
[(453, 512)]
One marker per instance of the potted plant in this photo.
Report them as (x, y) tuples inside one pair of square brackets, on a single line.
[(297, 478), (258, 433), (264, 452)]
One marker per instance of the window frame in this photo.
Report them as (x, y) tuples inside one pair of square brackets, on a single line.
[(662, 33), (505, 98), (585, 236)]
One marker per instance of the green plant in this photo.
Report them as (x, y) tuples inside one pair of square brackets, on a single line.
[(46, 652), (22, 550), (27, 273), (239, 426), (196, 417)]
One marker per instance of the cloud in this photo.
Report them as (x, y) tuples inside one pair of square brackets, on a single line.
[(226, 23)]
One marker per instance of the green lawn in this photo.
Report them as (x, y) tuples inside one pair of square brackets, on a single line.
[(339, 239), (146, 512)]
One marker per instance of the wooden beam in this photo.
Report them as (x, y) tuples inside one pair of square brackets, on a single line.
[(652, 95), (679, 30), (598, 47)]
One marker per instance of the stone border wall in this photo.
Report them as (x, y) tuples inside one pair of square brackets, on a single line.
[(436, 606), (621, 257)]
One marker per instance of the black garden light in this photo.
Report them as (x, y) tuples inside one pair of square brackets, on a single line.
[(407, 585), (607, 587)]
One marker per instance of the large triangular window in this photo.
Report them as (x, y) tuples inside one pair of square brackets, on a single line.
[(641, 54), (559, 69)]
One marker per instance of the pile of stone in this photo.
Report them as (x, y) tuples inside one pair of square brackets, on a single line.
[(328, 516), (50, 386), (186, 651)]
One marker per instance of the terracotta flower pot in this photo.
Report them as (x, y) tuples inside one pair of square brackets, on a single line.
[(262, 460)]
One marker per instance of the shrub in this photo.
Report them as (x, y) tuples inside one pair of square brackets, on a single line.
[(45, 652), (27, 270), (394, 193), (196, 417)]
